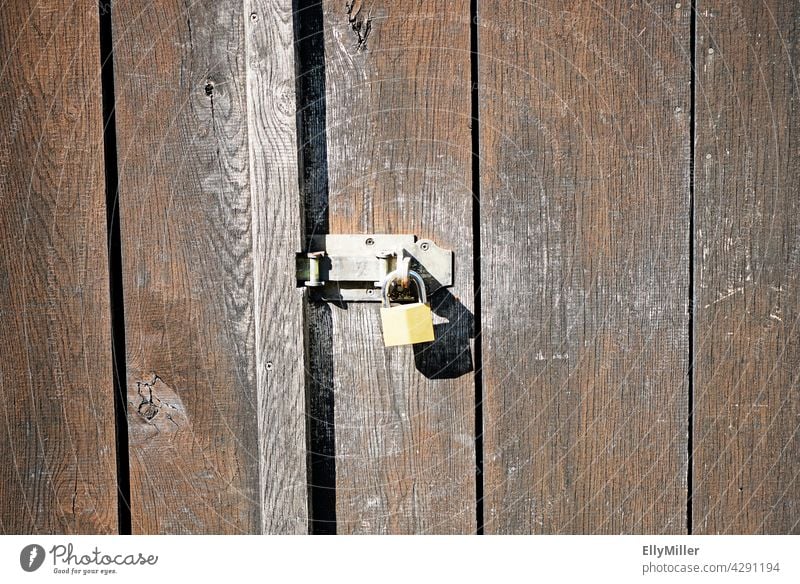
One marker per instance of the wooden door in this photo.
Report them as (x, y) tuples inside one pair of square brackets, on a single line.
[(214, 343), (618, 182), (747, 253), (399, 161), (57, 465), (585, 206)]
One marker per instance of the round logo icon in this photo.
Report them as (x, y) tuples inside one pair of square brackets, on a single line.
[(31, 557)]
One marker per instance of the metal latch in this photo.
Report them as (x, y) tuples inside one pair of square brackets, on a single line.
[(351, 268)]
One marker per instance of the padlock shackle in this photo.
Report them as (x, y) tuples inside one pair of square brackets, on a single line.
[(395, 275)]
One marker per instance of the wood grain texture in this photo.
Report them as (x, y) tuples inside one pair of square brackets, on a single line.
[(57, 463), (399, 155), (277, 235), (747, 269), (584, 117), (187, 253)]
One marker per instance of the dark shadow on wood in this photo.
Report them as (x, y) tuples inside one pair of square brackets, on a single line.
[(476, 260), (115, 271), (311, 115), (313, 161), (320, 419), (449, 356), (690, 332)]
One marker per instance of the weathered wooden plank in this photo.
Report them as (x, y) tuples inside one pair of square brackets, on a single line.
[(399, 155), (277, 235), (186, 230), (747, 269), (57, 463), (584, 113)]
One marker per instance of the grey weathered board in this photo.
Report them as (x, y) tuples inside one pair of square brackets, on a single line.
[(212, 432), (57, 461), (277, 235), (747, 268), (584, 118), (399, 156)]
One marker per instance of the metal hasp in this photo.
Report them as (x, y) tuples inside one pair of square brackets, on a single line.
[(351, 268)]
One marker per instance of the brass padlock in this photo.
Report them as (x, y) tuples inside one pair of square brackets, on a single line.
[(409, 323)]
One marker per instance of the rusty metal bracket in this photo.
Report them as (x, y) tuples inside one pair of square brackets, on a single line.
[(351, 268)]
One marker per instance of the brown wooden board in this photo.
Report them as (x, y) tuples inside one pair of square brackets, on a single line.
[(747, 269), (57, 463), (584, 131), (399, 156), (189, 281)]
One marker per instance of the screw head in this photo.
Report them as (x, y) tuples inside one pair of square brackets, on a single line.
[(270, 366)]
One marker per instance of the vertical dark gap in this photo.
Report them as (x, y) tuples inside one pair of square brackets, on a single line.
[(313, 163), (690, 440), (115, 269), (476, 264)]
